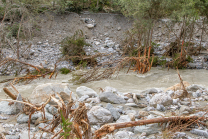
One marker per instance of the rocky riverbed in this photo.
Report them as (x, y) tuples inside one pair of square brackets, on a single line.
[(111, 106)]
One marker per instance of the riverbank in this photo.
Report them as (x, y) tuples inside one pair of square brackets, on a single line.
[(104, 33)]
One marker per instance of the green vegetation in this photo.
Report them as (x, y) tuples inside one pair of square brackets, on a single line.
[(65, 71), (42, 71), (73, 47), (189, 59), (66, 126), (13, 30), (162, 61), (155, 61)]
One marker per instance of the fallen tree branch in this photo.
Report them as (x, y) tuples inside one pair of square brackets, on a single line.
[(29, 104), (108, 128), (16, 60)]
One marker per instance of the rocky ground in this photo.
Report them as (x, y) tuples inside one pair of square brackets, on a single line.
[(111, 106), (104, 32)]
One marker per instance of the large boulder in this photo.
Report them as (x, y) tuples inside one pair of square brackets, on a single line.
[(99, 115), (5, 108), (42, 92), (83, 90), (162, 99), (111, 97)]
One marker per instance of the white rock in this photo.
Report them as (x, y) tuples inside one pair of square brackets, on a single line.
[(130, 100), (93, 100), (5, 108), (157, 113), (110, 89), (99, 115), (112, 98), (97, 43), (200, 132), (123, 118), (42, 92), (194, 87), (148, 129), (83, 98), (83, 90), (161, 98), (123, 135), (113, 111), (90, 26)]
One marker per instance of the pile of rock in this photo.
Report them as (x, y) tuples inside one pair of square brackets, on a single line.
[(109, 106)]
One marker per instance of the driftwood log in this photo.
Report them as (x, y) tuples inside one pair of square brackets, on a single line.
[(108, 128)]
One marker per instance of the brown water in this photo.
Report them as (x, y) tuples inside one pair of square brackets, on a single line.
[(131, 82)]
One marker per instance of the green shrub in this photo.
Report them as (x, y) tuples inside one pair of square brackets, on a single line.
[(162, 61), (1, 12), (73, 46), (189, 59), (181, 62), (65, 71), (13, 30), (66, 126), (155, 61)]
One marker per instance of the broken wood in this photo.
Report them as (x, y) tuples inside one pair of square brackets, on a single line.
[(14, 97), (108, 128), (185, 93), (38, 71)]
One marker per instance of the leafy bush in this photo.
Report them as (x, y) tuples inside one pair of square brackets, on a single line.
[(13, 30), (1, 12), (162, 61), (180, 62), (73, 47), (189, 59), (155, 61)]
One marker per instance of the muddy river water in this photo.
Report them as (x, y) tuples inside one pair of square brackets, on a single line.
[(131, 82)]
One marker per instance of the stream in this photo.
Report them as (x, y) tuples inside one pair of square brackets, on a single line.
[(132, 82)]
